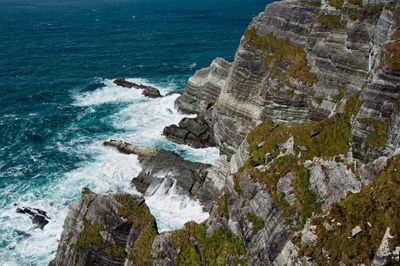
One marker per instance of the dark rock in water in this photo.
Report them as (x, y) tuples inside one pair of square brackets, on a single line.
[(195, 132), (127, 148), (314, 133), (173, 92), (38, 217), (148, 91)]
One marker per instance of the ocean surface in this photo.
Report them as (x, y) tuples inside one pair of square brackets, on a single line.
[(58, 103)]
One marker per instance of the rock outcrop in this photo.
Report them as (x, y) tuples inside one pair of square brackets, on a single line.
[(148, 91), (106, 230), (38, 216), (195, 132)]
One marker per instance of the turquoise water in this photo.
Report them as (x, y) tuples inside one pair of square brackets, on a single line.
[(57, 101)]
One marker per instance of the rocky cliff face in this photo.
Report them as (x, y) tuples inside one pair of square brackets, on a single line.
[(307, 121)]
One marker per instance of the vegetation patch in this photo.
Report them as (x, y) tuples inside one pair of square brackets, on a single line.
[(379, 136), (308, 202), (90, 237), (223, 207), (282, 52), (196, 248), (257, 222), (264, 140), (141, 218), (355, 2), (340, 96), (374, 209), (330, 20), (336, 3), (311, 3), (392, 48)]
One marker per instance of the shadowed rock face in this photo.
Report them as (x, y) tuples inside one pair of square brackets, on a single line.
[(196, 132)]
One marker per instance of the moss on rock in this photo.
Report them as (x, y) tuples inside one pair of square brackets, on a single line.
[(374, 209), (196, 248), (142, 219), (257, 222), (278, 51)]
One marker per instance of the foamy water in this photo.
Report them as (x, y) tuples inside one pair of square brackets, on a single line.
[(139, 120)]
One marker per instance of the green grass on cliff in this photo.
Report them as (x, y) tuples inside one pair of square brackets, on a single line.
[(144, 221), (90, 237), (280, 51), (196, 248), (392, 48), (257, 222), (336, 3), (355, 2), (379, 136), (377, 204), (223, 207), (333, 140), (330, 20)]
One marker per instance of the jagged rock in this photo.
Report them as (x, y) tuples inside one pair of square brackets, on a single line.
[(148, 91), (314, 133), (308, 235), (355, 231), (38, 216), (95, 233), (266, 244), (332, 181), (303, 148), (384, 255), (163, 251), (284, 186), (290, 257), (203, 88), (195, 132)]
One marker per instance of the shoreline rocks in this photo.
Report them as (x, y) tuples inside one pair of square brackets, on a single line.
[(148, 91), (38, 216), (195, 132)]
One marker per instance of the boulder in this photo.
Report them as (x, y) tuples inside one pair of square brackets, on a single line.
[(38, 216)]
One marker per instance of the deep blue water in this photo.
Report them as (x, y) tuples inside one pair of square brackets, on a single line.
[(57, 102)]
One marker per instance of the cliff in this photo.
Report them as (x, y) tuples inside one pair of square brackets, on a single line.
[(307, 120)]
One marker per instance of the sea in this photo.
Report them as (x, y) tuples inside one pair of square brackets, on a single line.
[(58, 103)]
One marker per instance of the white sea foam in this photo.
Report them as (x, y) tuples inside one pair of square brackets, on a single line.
[(140, 121), (172, 210), (111, 171)]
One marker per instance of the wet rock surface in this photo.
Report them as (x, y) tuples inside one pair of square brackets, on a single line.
[(195, 132), (38, 216), (168, 169), (148, 91)]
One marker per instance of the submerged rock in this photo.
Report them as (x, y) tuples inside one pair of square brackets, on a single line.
[(148, 91)]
